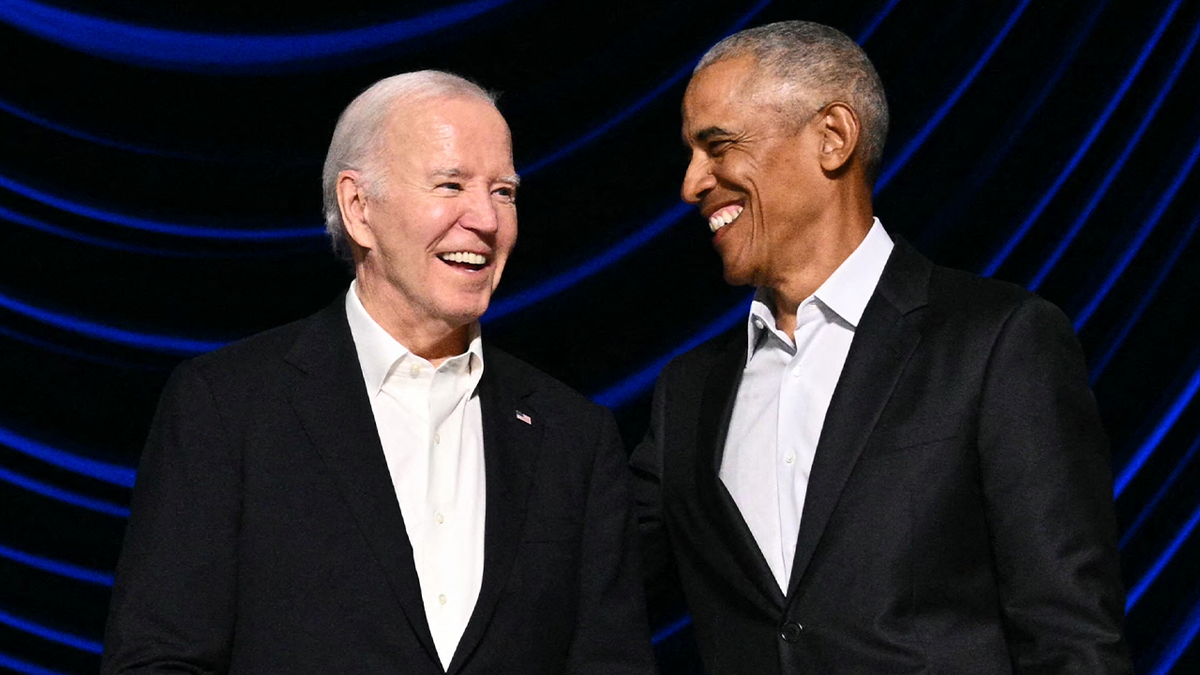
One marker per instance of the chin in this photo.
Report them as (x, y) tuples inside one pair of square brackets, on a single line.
[(464, 312), (736, 277)]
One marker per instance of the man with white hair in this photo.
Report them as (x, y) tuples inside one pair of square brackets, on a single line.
[(372, 489), (890, 467)]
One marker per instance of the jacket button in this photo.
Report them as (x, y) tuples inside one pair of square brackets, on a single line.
[(790, 632)]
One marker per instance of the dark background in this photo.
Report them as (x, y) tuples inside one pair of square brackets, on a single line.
[(159, 196)]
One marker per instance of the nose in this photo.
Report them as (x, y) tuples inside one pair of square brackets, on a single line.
[(480, 213), (697, 180)]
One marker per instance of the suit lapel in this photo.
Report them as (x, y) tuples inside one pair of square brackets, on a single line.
[(883, 342), (716, 409), (510, 449), (331, 400)]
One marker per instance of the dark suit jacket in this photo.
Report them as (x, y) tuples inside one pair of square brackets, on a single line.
[(959, 512), (266, 536)]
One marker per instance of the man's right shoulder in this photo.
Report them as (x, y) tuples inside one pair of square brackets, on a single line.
[(252, 359), (701, 357)]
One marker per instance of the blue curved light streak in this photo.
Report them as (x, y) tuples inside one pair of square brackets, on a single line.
[(93, 138), (114, 474), (1139, 589), (57, 567), (160, 227), (875, 22), (209, 53), (673, 79), (1179, 643), (75, 353), (67, 233), (169, 344), (1148, 446), (983, 170), (1131, 318), (915, 143), (1148, 509), (1098, 126), (1131, 249), (621, 392), (1116, 166), (671, 628), (565, 280), (66, 496), (51, 634), (24, 667), (630, 110)]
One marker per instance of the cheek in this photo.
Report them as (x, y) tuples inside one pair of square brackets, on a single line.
[(506, 237)]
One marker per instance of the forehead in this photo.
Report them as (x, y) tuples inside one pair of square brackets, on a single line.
[(726, 94), (460, 130)]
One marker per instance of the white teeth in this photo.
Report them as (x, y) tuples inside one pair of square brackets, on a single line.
[(723, 217), (464, 257)]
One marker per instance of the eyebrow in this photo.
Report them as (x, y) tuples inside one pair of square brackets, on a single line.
[(709, 132), (513, 179)]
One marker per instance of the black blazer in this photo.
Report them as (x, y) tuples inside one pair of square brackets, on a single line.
[(959, 513), (266, 536)]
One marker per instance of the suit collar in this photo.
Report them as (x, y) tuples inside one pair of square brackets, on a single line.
[(512, 429), (716, 409), (330, 398), (886, 337)]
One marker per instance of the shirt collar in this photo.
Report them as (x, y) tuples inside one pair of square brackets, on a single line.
[(846, 292), (378, 351)]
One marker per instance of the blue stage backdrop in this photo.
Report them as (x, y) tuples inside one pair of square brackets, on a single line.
[(159, 197)]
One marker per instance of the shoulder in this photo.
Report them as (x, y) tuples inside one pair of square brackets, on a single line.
[(987, 304), (695, 362), (245, 368), (550, 393)]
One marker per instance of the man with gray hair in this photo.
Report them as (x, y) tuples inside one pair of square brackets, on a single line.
[(372, 489), (891, 467)]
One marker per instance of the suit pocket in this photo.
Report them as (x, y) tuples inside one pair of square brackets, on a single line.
[(909, 436)]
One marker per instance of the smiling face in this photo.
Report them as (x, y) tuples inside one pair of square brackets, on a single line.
[(754, 173), (439, 220)]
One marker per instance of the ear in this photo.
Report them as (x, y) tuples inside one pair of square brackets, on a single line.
[(352, 201), (839, 135)]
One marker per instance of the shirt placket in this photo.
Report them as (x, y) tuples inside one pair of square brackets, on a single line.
[(794, 444), (446, 415)]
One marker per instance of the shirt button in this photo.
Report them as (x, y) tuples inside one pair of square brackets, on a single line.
[(437, 438), (758, 323), (442, 599), (790, 631), (415, 369), (439, 518), (789, 459), (796, 371)]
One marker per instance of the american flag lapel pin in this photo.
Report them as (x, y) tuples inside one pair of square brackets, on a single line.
[(524, 418)]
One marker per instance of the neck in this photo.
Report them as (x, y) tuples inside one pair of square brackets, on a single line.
[(432, 339), (816, 255)]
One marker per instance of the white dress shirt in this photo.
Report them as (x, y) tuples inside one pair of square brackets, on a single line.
[(431, 428), (785, 391)]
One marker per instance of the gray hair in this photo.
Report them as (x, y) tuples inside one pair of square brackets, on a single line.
[(359, 134), (818, 61)]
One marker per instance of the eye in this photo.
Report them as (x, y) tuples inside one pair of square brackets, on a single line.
[(450, 185), (506, 193), (718, 147)]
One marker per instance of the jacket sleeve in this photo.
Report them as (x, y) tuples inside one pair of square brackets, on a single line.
[(173, 602), (646, 468), (1047, 486), (611, 634)]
